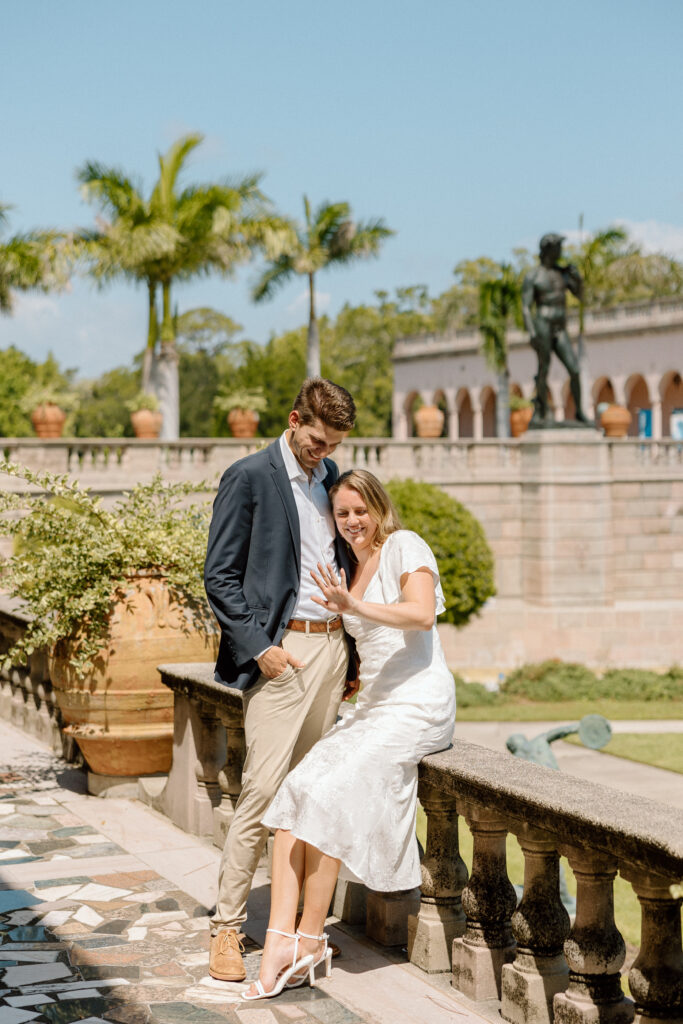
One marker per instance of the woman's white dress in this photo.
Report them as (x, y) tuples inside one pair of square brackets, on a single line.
[(354, 795)]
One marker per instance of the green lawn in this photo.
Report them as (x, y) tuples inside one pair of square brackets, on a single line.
[(661, 749), (569, 711)]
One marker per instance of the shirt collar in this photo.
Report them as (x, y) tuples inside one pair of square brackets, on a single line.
[(294, 470)]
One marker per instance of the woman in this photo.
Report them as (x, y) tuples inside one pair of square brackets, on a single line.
[(352, 800)]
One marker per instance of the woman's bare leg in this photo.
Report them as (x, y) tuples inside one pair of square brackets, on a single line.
[(289, 861), (321, 874)]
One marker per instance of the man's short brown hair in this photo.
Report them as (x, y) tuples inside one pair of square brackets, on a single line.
[(321, 399)]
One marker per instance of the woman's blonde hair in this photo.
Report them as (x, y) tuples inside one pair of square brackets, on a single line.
[(377, 501)]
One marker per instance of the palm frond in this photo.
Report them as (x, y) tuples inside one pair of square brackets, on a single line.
[(273, 278)]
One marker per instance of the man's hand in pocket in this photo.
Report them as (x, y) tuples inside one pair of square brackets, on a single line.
[(275, 660)]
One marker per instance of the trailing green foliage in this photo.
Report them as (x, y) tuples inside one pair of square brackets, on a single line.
[(73, 558), (457, 540)]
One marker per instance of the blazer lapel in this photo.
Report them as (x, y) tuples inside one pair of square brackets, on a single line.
[(284, 487)]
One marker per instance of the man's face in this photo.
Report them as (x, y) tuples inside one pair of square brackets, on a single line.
[(311, 442)]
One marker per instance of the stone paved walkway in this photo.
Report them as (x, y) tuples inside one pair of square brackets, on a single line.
[(103, 917)]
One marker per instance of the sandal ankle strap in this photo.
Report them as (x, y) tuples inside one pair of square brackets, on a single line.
[(305, 935), (287, 935)]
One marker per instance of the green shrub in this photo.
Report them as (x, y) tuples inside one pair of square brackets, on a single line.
[(564, 681), (473, 695), (551, 680), (639, 684), (457, 540)]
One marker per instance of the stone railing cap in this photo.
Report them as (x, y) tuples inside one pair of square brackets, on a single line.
[(643, 832)]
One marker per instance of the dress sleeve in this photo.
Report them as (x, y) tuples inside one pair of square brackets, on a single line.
[(409, 553)]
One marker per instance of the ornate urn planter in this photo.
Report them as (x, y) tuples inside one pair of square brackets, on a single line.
[(615, 421), (146, 423), (243, 422), (121, 715), (48, 420), (520, 420), (429, 421)]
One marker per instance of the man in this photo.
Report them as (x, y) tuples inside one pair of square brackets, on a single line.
[(271, 525), (546, 287)]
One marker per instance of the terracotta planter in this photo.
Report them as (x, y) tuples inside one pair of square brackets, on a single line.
[(121, 715), (615, 421), (146, 423), (429, 420), (48, 420), (520, 420), (243, 422)]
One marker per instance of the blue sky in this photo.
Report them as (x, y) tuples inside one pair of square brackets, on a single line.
[(471, 127)]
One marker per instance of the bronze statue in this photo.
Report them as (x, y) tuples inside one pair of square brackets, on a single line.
[(545, 287)]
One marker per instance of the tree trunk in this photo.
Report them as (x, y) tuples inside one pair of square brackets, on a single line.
[(313, 342), (152, 332), (166, 373), (503, 404)]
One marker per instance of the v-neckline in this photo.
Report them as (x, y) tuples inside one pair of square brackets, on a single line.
[(368, 584)]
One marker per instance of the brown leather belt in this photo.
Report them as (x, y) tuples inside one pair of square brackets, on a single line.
[(306, 626)]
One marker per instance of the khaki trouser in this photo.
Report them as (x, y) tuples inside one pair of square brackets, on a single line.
[(283, 718)]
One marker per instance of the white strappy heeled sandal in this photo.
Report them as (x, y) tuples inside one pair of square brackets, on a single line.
[(326, 955), (286, 973)]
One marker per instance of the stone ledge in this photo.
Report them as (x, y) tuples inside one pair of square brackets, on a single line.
[(642, 832)]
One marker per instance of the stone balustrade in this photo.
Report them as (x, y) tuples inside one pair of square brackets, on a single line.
[(111, 465), (526, 956)]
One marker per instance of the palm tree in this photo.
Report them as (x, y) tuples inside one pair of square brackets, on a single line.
[(500, 302), (35, 259), (173, 235), (328, 238)]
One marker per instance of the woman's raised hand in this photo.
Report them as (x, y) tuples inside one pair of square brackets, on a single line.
[(336, 597)]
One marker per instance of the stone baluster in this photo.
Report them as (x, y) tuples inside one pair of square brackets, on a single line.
[(595, 950), (230, 775), (488, 900), (540, 924), (656, 977), (387, 914), (440, 919)]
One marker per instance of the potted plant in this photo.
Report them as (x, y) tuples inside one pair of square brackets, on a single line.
[(48, 406), (145, 415), (429, 419), (112, 593), (242, 406), (615, 420), (521, 411)]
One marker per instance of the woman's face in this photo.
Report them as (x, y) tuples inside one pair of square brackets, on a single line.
[(353, 520)]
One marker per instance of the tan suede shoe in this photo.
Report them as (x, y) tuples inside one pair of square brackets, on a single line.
[(225, 956)]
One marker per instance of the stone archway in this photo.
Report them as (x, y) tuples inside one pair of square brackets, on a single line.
[(465, 413), (488, 412), (409, 409), (602, 391), (671, 390), (637, 398), (441, 402)]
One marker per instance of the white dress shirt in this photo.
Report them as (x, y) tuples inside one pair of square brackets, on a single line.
[(316, 526)]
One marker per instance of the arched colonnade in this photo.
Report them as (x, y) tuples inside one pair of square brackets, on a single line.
[(471, 412)]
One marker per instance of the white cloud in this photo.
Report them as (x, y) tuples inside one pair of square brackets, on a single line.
[(656, 236), (322, 302)]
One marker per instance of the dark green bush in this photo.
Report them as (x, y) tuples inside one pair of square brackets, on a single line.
[(561, 681), (639, 684), (551, 680), (473, 695), (457, 540)]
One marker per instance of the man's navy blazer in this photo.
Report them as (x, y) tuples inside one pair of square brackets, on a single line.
[(253, 561)]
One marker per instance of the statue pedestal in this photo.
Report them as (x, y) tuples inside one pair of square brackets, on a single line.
[(566, 506)]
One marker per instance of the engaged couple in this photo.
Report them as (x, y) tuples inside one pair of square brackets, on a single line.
[(318, 590)]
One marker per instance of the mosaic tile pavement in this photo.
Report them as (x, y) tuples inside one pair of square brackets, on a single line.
[(127, 947)]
